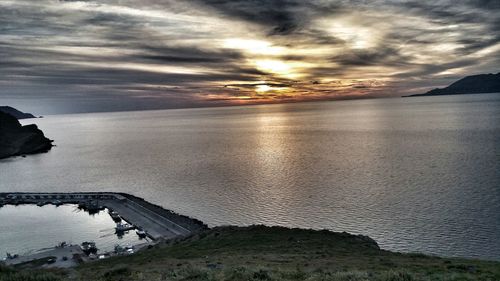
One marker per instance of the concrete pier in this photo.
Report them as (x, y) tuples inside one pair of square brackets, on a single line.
[(155, 221)]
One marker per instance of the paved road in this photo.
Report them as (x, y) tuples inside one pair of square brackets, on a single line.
[(154, 224), (59, 253)]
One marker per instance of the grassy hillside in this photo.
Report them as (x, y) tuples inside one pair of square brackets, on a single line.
[(273, 253)]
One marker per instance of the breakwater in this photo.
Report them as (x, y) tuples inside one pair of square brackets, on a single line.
[(155, 221)]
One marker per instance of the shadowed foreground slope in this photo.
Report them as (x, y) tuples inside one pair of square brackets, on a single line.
[(274, 253)]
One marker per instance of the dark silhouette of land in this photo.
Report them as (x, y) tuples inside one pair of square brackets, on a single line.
[(475, 84), (16, 139), (16, 113)]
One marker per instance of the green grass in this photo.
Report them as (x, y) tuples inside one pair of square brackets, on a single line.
[(34, 263), (274, 253), (11, 274)]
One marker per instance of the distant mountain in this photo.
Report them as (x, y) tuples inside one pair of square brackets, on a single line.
[(16, 139), (475, 84), (16, 113)]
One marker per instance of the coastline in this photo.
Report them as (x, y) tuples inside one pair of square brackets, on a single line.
[(267, 253), (254, 252)]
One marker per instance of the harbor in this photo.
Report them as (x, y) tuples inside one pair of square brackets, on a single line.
[(128, 215)]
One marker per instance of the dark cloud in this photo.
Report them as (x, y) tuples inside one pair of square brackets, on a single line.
[(253, 85), (177, 59), (385, 55), (278, 14), (485, 4), (278, 17), (170, 54)]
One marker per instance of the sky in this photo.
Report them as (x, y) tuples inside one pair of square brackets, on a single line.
[(64, 56)]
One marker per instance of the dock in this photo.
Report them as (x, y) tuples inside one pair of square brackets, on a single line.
[(155, 225)]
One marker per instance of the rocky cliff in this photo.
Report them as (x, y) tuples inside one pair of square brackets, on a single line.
[(475, 84), (16, 139)]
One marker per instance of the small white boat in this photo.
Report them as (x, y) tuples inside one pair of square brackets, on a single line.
[(103, 256), (122, 227), (141, 233), (115, 216)]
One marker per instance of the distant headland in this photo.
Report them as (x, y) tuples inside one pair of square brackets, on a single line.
[(475, 84), (17, 140), (16, 113)]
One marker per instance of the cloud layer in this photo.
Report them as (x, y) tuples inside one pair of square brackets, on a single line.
[(73, 56)]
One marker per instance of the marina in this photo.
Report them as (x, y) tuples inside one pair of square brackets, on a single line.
[(132, 216)]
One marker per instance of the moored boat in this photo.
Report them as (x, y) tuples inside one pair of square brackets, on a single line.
[(89, 247), (141, 233), (122, 227), (115, 216), (127, 250), (57, 203)]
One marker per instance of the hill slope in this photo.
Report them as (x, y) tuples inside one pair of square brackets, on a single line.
[(482, 83)]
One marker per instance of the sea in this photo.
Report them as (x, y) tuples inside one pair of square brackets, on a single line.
[(417, 174)]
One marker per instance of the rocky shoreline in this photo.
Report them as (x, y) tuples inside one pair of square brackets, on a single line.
[(18, 140)]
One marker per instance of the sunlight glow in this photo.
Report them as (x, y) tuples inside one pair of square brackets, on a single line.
[(263, 88), (356, 36), (273, 66), (254, 46)]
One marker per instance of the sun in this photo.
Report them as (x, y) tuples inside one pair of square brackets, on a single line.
[(263, 88)]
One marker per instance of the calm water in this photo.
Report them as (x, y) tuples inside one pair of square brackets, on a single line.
[(29, 228), (416, 174)]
